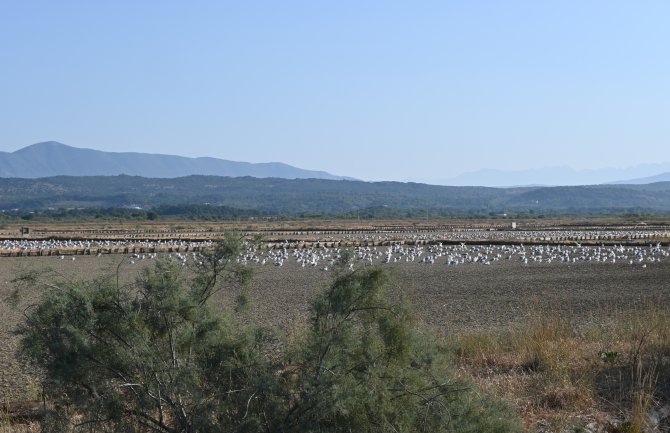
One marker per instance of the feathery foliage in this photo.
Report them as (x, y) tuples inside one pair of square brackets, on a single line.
[(156, 357)]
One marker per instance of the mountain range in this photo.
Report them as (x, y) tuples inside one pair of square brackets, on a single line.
[(56, 159), (51, 158), (212, 195), (555, 176), (663, 177)]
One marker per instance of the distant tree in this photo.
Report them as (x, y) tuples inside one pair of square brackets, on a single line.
[(157, 357)]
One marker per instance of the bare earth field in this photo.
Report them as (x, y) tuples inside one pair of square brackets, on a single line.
[(447, 299)]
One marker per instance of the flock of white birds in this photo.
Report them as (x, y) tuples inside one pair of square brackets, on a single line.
[(449, 255), (324, 258), (35, 246), (454, 255), (484, 236)]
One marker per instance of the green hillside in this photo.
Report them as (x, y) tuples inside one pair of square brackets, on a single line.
[(271, 196)]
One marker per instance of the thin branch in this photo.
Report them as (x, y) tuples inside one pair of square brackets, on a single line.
[(248, 402), (156, 423)]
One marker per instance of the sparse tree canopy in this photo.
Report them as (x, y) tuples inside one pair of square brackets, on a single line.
[(157, 357)]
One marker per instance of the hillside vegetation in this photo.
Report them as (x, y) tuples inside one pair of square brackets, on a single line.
[(273, 196)]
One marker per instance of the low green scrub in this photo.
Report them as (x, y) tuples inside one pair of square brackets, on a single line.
[(157, 357)]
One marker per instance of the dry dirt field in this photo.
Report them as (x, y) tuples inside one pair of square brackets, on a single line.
[(446, 299)]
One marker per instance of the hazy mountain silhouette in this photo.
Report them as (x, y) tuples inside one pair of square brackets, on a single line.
[(56, 159), (663, 177), (560, 176)]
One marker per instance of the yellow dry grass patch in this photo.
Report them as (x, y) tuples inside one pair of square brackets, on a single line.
[(560, 377)]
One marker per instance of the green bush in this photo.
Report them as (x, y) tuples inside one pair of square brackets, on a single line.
[(156, 357)]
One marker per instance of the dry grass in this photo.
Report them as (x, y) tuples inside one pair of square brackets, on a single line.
[(609, 376), (10, 425)]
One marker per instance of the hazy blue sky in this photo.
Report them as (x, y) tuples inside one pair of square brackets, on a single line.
[(375, 90)]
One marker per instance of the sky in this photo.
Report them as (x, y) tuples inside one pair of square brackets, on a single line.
[(377, 90)]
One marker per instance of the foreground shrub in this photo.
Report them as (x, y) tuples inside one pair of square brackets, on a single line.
[(156, 357)]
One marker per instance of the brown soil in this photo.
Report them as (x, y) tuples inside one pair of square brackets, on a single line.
[(446, 298)]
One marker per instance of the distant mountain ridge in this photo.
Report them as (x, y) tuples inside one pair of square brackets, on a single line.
[(273, 196), (562, 176), (663, 177), (51, 158)]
